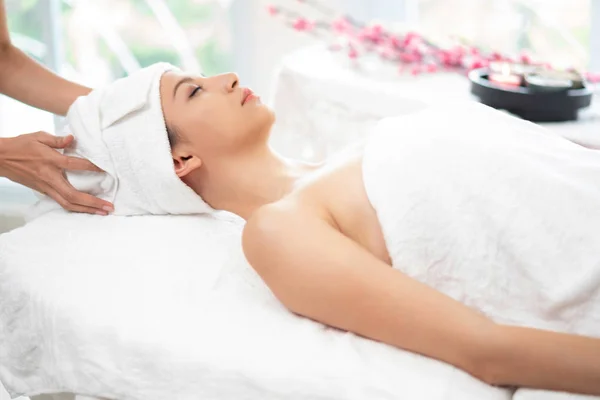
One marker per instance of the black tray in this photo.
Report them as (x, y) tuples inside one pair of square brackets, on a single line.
[(529, 104)]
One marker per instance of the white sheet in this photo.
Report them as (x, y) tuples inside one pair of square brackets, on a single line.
[(530, 394), (166, 307)]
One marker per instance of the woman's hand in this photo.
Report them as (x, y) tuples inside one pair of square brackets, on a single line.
[(32, 160)]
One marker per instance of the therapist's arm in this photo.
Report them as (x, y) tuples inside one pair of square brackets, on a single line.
[(29, 82), (32, 159), (321, 274)]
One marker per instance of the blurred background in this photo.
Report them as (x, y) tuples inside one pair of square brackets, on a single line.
[(96, 41)]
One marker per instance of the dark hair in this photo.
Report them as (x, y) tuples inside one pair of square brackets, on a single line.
[(173, 136)]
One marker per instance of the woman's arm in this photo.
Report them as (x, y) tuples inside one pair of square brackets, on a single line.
[(317, 272), (27, 81)]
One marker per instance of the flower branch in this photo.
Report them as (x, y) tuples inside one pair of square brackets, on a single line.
[(409, 51)]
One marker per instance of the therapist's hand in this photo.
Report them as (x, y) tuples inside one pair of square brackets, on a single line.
[(32, 160)]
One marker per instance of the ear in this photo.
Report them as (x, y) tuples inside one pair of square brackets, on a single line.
[(185, 163)]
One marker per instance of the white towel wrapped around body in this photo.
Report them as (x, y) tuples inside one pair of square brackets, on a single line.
[(495, 212)]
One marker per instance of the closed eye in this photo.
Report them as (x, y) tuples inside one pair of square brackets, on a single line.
[(195, 91)]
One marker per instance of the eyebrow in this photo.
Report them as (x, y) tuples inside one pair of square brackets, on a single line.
[(182, 81)]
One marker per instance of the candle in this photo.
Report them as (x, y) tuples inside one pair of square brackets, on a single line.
[(505, 78), (554, 80), (514, 68), (543, 83)]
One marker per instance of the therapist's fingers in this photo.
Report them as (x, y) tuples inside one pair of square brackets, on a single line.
[(77, 164), (65, 162), (56, 142), (78, 201), (70, 206)]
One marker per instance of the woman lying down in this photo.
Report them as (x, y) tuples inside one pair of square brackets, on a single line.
[(459, 233)]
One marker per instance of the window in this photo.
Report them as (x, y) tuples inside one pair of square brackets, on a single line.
[(96, 41)]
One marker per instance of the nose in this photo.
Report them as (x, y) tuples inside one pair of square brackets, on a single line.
[(230, 81)]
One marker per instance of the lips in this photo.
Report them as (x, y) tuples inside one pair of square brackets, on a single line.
[(247, 94)]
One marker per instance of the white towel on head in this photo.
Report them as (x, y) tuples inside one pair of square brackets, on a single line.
[(121, 129)]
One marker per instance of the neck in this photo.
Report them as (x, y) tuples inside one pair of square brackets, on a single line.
[(248, 183)]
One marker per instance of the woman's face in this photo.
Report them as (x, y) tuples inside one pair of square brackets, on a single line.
[(212, 116)]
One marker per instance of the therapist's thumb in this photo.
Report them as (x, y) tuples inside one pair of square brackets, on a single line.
[(57, 142)]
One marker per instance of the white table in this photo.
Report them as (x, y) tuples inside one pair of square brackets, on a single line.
[(323, 101)]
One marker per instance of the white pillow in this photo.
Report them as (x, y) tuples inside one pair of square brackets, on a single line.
[(167, 307)]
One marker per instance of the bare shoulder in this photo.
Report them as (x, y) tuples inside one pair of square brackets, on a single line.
[(292, 231), (274, 232), (265, 225)]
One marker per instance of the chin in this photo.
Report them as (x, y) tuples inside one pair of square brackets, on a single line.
[(266, 112), (265, 120)]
